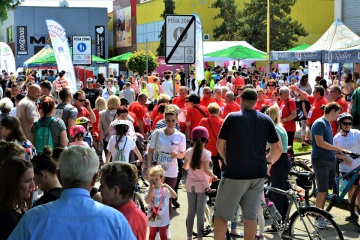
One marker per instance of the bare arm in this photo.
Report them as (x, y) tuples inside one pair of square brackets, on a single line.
[(71, 122), (275, 152), (92, 114), (150, 157), (172, 192), (187, 124), (108, 156), (290, 117), (319, 140), (206, 169), (186, 164), (138, 154), (220, 146), (301, 92), (63, 138), (141, 126)]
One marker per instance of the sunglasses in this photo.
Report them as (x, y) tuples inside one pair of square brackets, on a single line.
[(240, 89), (271, 85), (81, 100), (207, 93), (346, 123)]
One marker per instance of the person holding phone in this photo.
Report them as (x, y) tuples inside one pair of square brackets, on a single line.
[(83, 106)]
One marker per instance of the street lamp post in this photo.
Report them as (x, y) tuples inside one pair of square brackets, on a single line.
[(268, 70)]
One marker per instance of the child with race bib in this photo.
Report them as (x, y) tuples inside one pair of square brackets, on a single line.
[(120, 145), (197, 160), (157, 196)]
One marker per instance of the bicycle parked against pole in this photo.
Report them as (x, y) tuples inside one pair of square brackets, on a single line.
[(305, 222)]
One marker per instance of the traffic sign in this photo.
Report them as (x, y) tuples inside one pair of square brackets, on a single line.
[(180, 39), (81, 50)]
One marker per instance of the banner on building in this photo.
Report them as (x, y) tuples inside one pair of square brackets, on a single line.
[(123, 27), (100, 41), (7, 60), (199, 56), (21, 40), (62, 52)]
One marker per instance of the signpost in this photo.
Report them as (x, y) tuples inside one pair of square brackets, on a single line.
[(180, 39), (81, 50)]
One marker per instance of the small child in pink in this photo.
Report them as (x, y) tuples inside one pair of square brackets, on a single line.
[(77, 132), (197, 160)]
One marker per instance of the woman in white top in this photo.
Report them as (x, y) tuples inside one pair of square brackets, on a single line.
[(166, 146), (348, 139)]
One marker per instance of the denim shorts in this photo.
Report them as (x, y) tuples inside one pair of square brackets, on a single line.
[(325, 172)]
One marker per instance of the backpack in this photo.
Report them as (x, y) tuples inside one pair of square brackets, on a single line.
[(120, 155), (43, 136), (299, 113)]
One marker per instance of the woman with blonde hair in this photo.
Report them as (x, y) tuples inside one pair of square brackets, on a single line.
[(279, 169), (106, 117)]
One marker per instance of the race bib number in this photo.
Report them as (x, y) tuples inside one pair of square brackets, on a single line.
[(147, 121), (164, 159), (280, 112), (310, 113)]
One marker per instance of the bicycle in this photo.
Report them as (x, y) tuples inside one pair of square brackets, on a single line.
[(303, 165), (305, 223), (341, 188)]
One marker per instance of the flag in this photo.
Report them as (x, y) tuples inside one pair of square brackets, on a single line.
[(7, 60), (62, 52)]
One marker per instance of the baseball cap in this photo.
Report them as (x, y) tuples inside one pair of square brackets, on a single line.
[(249, 94), (89, 80)]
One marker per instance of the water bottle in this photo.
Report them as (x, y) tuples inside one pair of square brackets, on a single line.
[(274, 212)]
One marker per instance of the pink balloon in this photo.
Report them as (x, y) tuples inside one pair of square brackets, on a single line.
[(226, 64), (262, 68), (244, 65), (276, 65)]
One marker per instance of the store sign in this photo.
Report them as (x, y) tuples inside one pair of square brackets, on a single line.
[(44, 40), (100, 41), (21, 40)]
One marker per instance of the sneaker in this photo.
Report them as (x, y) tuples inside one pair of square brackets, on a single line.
[(168, 234), (349, 218), (321, 223), (175, 203)]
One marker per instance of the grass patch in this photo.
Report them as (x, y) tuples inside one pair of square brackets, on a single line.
[(298, 148)]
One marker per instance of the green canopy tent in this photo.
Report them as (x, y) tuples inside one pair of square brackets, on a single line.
[(43, 52), (238, 53), (50, 59), (120, 58), (299, 47)]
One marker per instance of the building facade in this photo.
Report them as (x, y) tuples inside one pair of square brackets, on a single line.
[(26, 31), (316, 16)]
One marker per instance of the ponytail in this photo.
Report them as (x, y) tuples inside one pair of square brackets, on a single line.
[(118, 139), (197, 152)]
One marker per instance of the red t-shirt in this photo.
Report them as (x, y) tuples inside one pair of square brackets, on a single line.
[(260, 104), (83, 112), (194, 116), (154, 112), (344, 105), (220, 102), (95, 125), (315, 111), (216, 123), (238, 81), (158, 118), (237, 100), (141, 112), (231, 107), (136, 219), (178, 101), (136, 123), (286, 107), (205, 102)]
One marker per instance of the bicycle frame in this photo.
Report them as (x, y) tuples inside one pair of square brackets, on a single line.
[(350, 183)]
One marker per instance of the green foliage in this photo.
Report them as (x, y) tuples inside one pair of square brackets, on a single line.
[(137, 62), (169, 8), (6, 5), (232, 20), (284, 31)]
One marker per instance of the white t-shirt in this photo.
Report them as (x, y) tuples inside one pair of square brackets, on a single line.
[(106, 94), (352, 143), (130, 145), (150, 89), (168, 88), (164, 214), (229, 86), (165, 145)]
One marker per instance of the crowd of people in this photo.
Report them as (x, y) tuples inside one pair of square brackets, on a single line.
[(242, 123)]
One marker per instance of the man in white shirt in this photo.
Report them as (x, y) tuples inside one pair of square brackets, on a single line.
[(167, 86)]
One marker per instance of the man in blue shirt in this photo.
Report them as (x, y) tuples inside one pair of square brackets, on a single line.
[(75, 215), (323, 154)]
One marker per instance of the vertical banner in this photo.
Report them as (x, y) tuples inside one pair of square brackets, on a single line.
[(123, 27), (7, 60), (61, 48), (199, 56), (100, 41), (21, 40)]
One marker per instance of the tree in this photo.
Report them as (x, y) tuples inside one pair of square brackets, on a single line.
[(6, 5), (169, 8), (284, 31), (232, 20), (137, 62)]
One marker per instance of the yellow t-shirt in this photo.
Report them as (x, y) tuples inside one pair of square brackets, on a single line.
[(156, 90)]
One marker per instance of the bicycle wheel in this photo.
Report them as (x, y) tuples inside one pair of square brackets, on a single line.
[(139, 202), (355, 209), (313, 223), (208, 221), (301, 167)]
